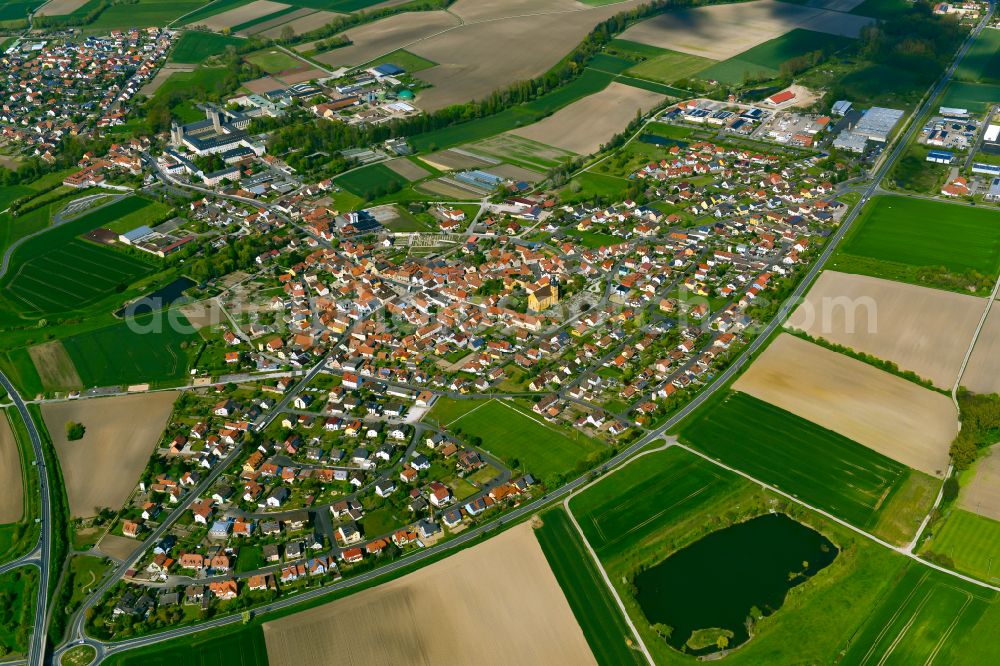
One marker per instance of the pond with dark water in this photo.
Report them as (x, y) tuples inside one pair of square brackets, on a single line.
[(709, 588), (158, 299)]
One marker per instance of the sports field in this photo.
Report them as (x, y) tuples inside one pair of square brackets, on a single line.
[(594, 607), (920, 233), (801, 458), (115, 355), (926, 617), (193, 46), (982, 62), (17, 9), (510, 433), (971, 541), (765, 59)]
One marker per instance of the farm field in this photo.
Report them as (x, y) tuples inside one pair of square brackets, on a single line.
[(543, 630), (922, 330), (925, 617), (670, 66), (816, 465), (510, 433), (411, 63), (60, 7), (895, 417), (193, 46), (594, 607), (269, 21), (144, 13), (976, 97), (970, 541), (372, 40), (54, 366), (274, 62), (982, 374), (720, 32), (240, 647), (91, 272), (120, 435), (407, 169), (300, 25), (239, 15), (764, 60), (371, 181), (982, 63), (973, 233), (981, 495), (12, 504), (17, 9), (583, 126), (115, 355)]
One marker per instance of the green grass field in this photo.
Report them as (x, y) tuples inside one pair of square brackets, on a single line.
[(816, 465), (671, 66), (926, 617), (882, 9), (144, 13), (611, 64), (18, 9), (116, 355), (982, 62), (273, 61), (971, 541), (89, 272), (509, 433), (243, 646), (194, 46), (370, 181), (976, 97), (899, 231), (411, 62), (764, 60), (634, 50), (594, 607)]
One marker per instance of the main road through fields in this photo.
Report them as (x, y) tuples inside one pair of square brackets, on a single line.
[(104, 648)]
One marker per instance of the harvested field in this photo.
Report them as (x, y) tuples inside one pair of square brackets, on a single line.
[(446, 187), (293, 76), (982, 374), (263, 84), (583, 126), (455, 160), (372, 40), (477, 10), (982, 495), (515, 173), (118, 547), (407, 169), (517, 149), (241, 15), (55, 367), (923, 330), (12, 505), (303, 24), (723, 31), (121, 434), (474, 615), (888, 414), (161, 77), (277, 21), (60, 7)]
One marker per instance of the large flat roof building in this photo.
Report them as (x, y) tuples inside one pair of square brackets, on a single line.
[(877, 123)]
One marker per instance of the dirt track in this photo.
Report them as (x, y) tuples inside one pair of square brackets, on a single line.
[(12, 504), (723, 31), (583, 126), (101, 469), (495, 603), (888, 414), (920, 329)]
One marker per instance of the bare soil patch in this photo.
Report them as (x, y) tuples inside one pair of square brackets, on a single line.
[(263, 84), (454, 160), (583, 126), (515, 173), (203, 313), (303, 24), (55, 367), (293, 76), (60, 7), (162, 75), (12, 498), (923, 330), (384, 36), (897, 418), (982, 495), (723, 31), (446, 187), (278, 21), (408, 169), (496, 603), (477, 10), (240, 15), (982, 374), (118, 547), (101, 469)]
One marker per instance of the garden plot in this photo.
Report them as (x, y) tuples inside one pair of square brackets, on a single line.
[(723, 31), (888, 414), (926, 331)]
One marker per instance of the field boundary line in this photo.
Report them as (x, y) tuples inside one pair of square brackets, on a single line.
[(468, 412), (972, 345), (511, 407)]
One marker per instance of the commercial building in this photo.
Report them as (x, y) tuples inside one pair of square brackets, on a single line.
[(877, 123)]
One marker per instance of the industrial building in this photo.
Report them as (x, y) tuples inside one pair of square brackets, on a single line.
[(221, 131)]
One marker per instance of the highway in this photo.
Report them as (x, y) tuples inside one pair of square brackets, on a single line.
[(41, 554)]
